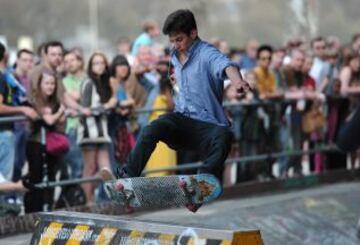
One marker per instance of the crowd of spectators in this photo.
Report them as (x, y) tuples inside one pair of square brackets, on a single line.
[(302, 94)]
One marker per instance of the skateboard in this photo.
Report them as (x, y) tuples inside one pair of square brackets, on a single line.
[(162, 192)]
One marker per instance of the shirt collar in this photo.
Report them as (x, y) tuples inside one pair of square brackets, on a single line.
[(190, 50), (193, 46), (80, 78)]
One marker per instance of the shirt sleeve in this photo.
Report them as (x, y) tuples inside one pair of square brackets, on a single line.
[(218, 62), (86, 94)]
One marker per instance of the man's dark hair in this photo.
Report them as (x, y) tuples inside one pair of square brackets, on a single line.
[(181, 20), (2, 51), (262, 48), (24, 51), (53, 44)]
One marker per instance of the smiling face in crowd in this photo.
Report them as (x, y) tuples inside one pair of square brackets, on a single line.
[(47, 85)]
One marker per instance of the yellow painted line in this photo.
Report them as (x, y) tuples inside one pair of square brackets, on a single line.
[(78, 235), (198, 241), (247, 238), (190, 242), (105, 236), (226, 242), (50, 234), (135, 236), (166, 237)]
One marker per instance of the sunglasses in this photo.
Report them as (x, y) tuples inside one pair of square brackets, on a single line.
[(265, 58)]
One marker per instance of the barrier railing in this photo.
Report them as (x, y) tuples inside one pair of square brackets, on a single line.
[(6, 119), (195, 165)]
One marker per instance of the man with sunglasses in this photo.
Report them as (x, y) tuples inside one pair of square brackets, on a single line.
[(199, 122)]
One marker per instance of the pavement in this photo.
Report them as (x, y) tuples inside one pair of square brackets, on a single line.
[(323, 215)]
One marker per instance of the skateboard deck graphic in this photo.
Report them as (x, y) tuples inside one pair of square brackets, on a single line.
[(166, 191)]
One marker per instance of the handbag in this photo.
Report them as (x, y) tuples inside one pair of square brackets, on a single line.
[(56, 143), (313, 120)]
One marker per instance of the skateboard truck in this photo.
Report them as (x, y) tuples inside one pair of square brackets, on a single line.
[(125, 197), (189, 192)]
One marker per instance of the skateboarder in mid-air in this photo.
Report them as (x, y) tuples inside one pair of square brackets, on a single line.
[(198, 122)]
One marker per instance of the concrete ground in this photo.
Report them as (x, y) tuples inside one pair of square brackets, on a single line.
[(321, 215)]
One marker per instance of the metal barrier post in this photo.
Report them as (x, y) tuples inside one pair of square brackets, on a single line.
[(45, 180)]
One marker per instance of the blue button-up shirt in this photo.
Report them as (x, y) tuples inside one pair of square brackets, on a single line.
[(200, 80)]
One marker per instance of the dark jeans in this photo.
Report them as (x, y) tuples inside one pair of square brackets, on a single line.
[(183, 133), (35, 199), (348, 138), (73, 158), (21, 136), (297, 141), (186, 157)]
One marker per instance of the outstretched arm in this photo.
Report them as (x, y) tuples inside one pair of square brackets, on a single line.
[(220, 65)]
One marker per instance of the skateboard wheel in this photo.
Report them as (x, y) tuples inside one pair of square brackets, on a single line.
[(191, 207), (129, 210), (119, 187), (182, 184)]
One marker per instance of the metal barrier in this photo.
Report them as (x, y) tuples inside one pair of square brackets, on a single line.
[(239, 160), (196, 165), (141, 110), (79, 228)]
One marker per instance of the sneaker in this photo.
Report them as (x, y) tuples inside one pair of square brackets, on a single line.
[(106, 174), (120, 173)]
